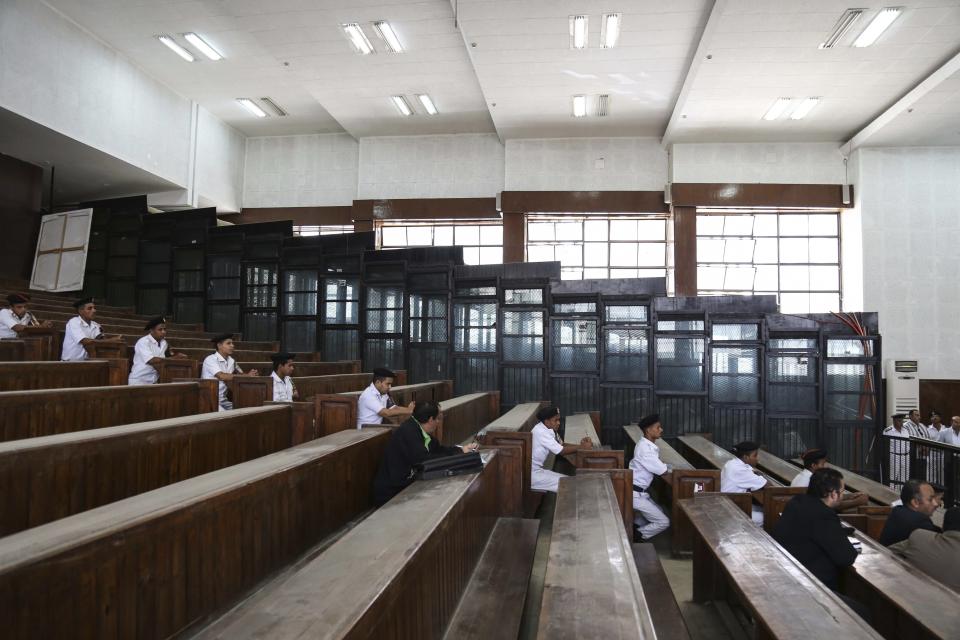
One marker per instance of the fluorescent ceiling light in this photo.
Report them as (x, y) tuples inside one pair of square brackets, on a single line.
[(427, 103), (778, 109), (579, 106), (357, 38), (578, 32), (252, 107), (841, 28), (610, 30), (603, 105), (402, 105), (879, 24), (389, 37), (203, 46), (277, 109), (176, 48), (805, 107)]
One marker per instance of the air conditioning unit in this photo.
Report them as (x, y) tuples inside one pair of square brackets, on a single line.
[(903, 386)]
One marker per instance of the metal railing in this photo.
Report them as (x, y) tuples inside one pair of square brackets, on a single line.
[(902, 459)]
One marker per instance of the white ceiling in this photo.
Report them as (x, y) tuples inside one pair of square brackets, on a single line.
[(515, 54)]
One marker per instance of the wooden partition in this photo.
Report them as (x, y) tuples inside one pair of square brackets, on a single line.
[(304, 368), (427, 541), (22, 376), (199, 353), (466, 416), (585, 425), (512, 429), (41, 343), (151, 565), (101, 349), (336, 412), (171, 369), (44, 479), (44, 412), (12, 350), (250, 391), (309, 386)]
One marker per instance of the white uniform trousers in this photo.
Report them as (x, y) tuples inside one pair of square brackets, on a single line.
[(757, 515), (545, 480), (647, 515)]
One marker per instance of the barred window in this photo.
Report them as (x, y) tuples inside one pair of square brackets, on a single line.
[(482, 240)]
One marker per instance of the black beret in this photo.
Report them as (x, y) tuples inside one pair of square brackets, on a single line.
[(82, 302), (649, 421), (281, 357), (813, 455), (381, 372), (18, 298), (899, 416), (152, 322), (220, 338), (745, 447)]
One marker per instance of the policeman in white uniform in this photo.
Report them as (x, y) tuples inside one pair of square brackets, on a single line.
[(16, 318), (739, 476), (81, 329), (221, 366), (283, 389), (149, 351), (545, 442), (646, 463), (375, 403), (951, 435), (899, 470)]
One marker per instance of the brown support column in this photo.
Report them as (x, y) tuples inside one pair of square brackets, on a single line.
[(514, 237), (685, 250), (362, 215)]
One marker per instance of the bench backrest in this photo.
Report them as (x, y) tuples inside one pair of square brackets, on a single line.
[(512, 429), (44, 412), (466, 416), (12, 350), (522, 417), (878, 493), (338, 411), (583, 425), (44, 479), (309, 386), (22, 376), (301, 368), (151, 565)]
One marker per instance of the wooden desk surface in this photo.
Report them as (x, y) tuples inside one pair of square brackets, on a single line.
[(580, 426), (877, 492), (522, 417), (779, 591), (716, 455), (670, 456)]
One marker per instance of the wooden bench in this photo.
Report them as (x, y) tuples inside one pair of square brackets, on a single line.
[(587, 425), (732, 558), (302, 368), (207, 345), (107, 349), (41, 343), (170, 369), (686, 481), (309, 386), (338, 411), (22, 376), (513, 429), (152, 565), (13, 350), (401, 572), (662, 604), (591, 588), (44, 479), (44, 412)]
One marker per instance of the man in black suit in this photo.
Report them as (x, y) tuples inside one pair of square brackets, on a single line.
[(410, 444), (918, 504)]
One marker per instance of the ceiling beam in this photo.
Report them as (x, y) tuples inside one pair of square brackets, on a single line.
[(927, 85), (716, 11)]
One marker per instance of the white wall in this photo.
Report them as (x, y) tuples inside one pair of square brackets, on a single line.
[(910, 205), (775, 163), (571, 164), (441, 166), (56, 74), (219, 163), (300, 171)]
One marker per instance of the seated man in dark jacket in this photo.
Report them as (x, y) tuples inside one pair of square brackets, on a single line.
[(411, 443), (918, 505)]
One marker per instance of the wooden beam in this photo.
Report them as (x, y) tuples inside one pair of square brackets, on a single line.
[(685, 250), (583, 202), (694, 194)]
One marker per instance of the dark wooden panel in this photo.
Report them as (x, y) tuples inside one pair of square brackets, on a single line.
[(685, 250), (102, 349), (172, 368), (305, 368), (465, 416), (21, 186), (66, 474), (692, 194), (42, 343), (583, 201), (431, 208), (21, 376), (336, 412), (149, 567), (942, 396), (12, 351), (309, 386), (44, 412), (514, 237), (250, 391)]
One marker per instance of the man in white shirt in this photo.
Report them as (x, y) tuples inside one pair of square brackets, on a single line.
[(739, 476), (283, 389), (951, 435), (375, 403), (546, 441), (648, 517), (16, 318), (814, 459), (149, 352), (936, 425), (82, 330), (898, 470), (221, 366)]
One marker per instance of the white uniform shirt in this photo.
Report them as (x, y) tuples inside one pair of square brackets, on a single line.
[(934, 432), (78, 329), (802, 479), (738, 477), (948, 436), (8, 320), (282, 388), (646, 463), (146, 350), (369, 406), (544, 443), (214, 364)]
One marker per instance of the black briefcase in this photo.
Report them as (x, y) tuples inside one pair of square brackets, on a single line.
[(447, 466)]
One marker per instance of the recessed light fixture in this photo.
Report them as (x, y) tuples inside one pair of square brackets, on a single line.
[(841, 28), (805, 107), (388, 35), (610, 30), (578, 32), (427, 103), (357, 38), (176, 48), (579, 106), (277, 109), (877, 26), (203, 46), (252, 107), (402, 105), (603, 105), (777, 109)]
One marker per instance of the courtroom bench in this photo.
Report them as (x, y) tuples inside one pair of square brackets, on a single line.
[(661, 602), (587, 425), (47, 478), (300, 368), (22, 376), (337, 411), (152, 565), (513, 429)]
